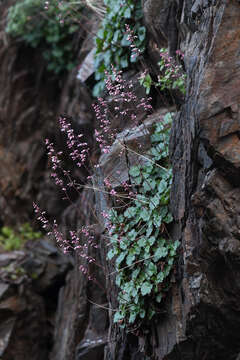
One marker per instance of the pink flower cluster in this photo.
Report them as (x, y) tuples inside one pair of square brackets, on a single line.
[(144, 104), (128, 189), (75, 243), (180, 54), (122, 91), (125, 103), (132, 38), (46, 5), (41, 216), (55, 163), (79, 150), (59, 4), (52, 229), (105, 135), (173, 69), (108, 224)]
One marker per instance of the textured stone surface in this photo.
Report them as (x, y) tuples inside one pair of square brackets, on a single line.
[(205, 194), (78, 332), (161, 18), (128, 150), (29, 283)]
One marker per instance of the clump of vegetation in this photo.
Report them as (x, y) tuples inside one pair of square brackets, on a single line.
[(171, 76), (11, 239), (140, 244), (114, 41), (13, 272), (46, 28)]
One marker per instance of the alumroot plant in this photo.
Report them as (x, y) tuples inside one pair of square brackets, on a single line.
[(141, 247), (79, 150), (137, 226), (121, 91), (73, 243), (112, 41), (171, 77), (50, 25), (131, 37)]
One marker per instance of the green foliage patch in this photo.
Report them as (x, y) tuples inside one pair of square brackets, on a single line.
[(11, 239), (171, 76), (113, 46), (29, 21), (143, 252)]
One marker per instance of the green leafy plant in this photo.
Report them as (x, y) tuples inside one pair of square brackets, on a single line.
[(14, 272), (38, 27), (146, 81), (172, 75), (143, 252), (11, 239), (113, 43)]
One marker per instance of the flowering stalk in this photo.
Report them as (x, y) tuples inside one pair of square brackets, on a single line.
[(75, 243), (126, 104), (79, 150), (135, 51)]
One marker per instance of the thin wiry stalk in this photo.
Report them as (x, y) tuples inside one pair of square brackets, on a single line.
[(109, 193), (97, 6), (145, 157)]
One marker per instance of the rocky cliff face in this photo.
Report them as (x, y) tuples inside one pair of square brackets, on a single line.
[(31, 100), (201, 318), (205, 193)]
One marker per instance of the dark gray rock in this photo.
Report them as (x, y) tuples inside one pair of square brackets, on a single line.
[(77, 314), (161, 18), (29, 284), (90, 350), (127, 149), (46, 265), (205, 203)]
